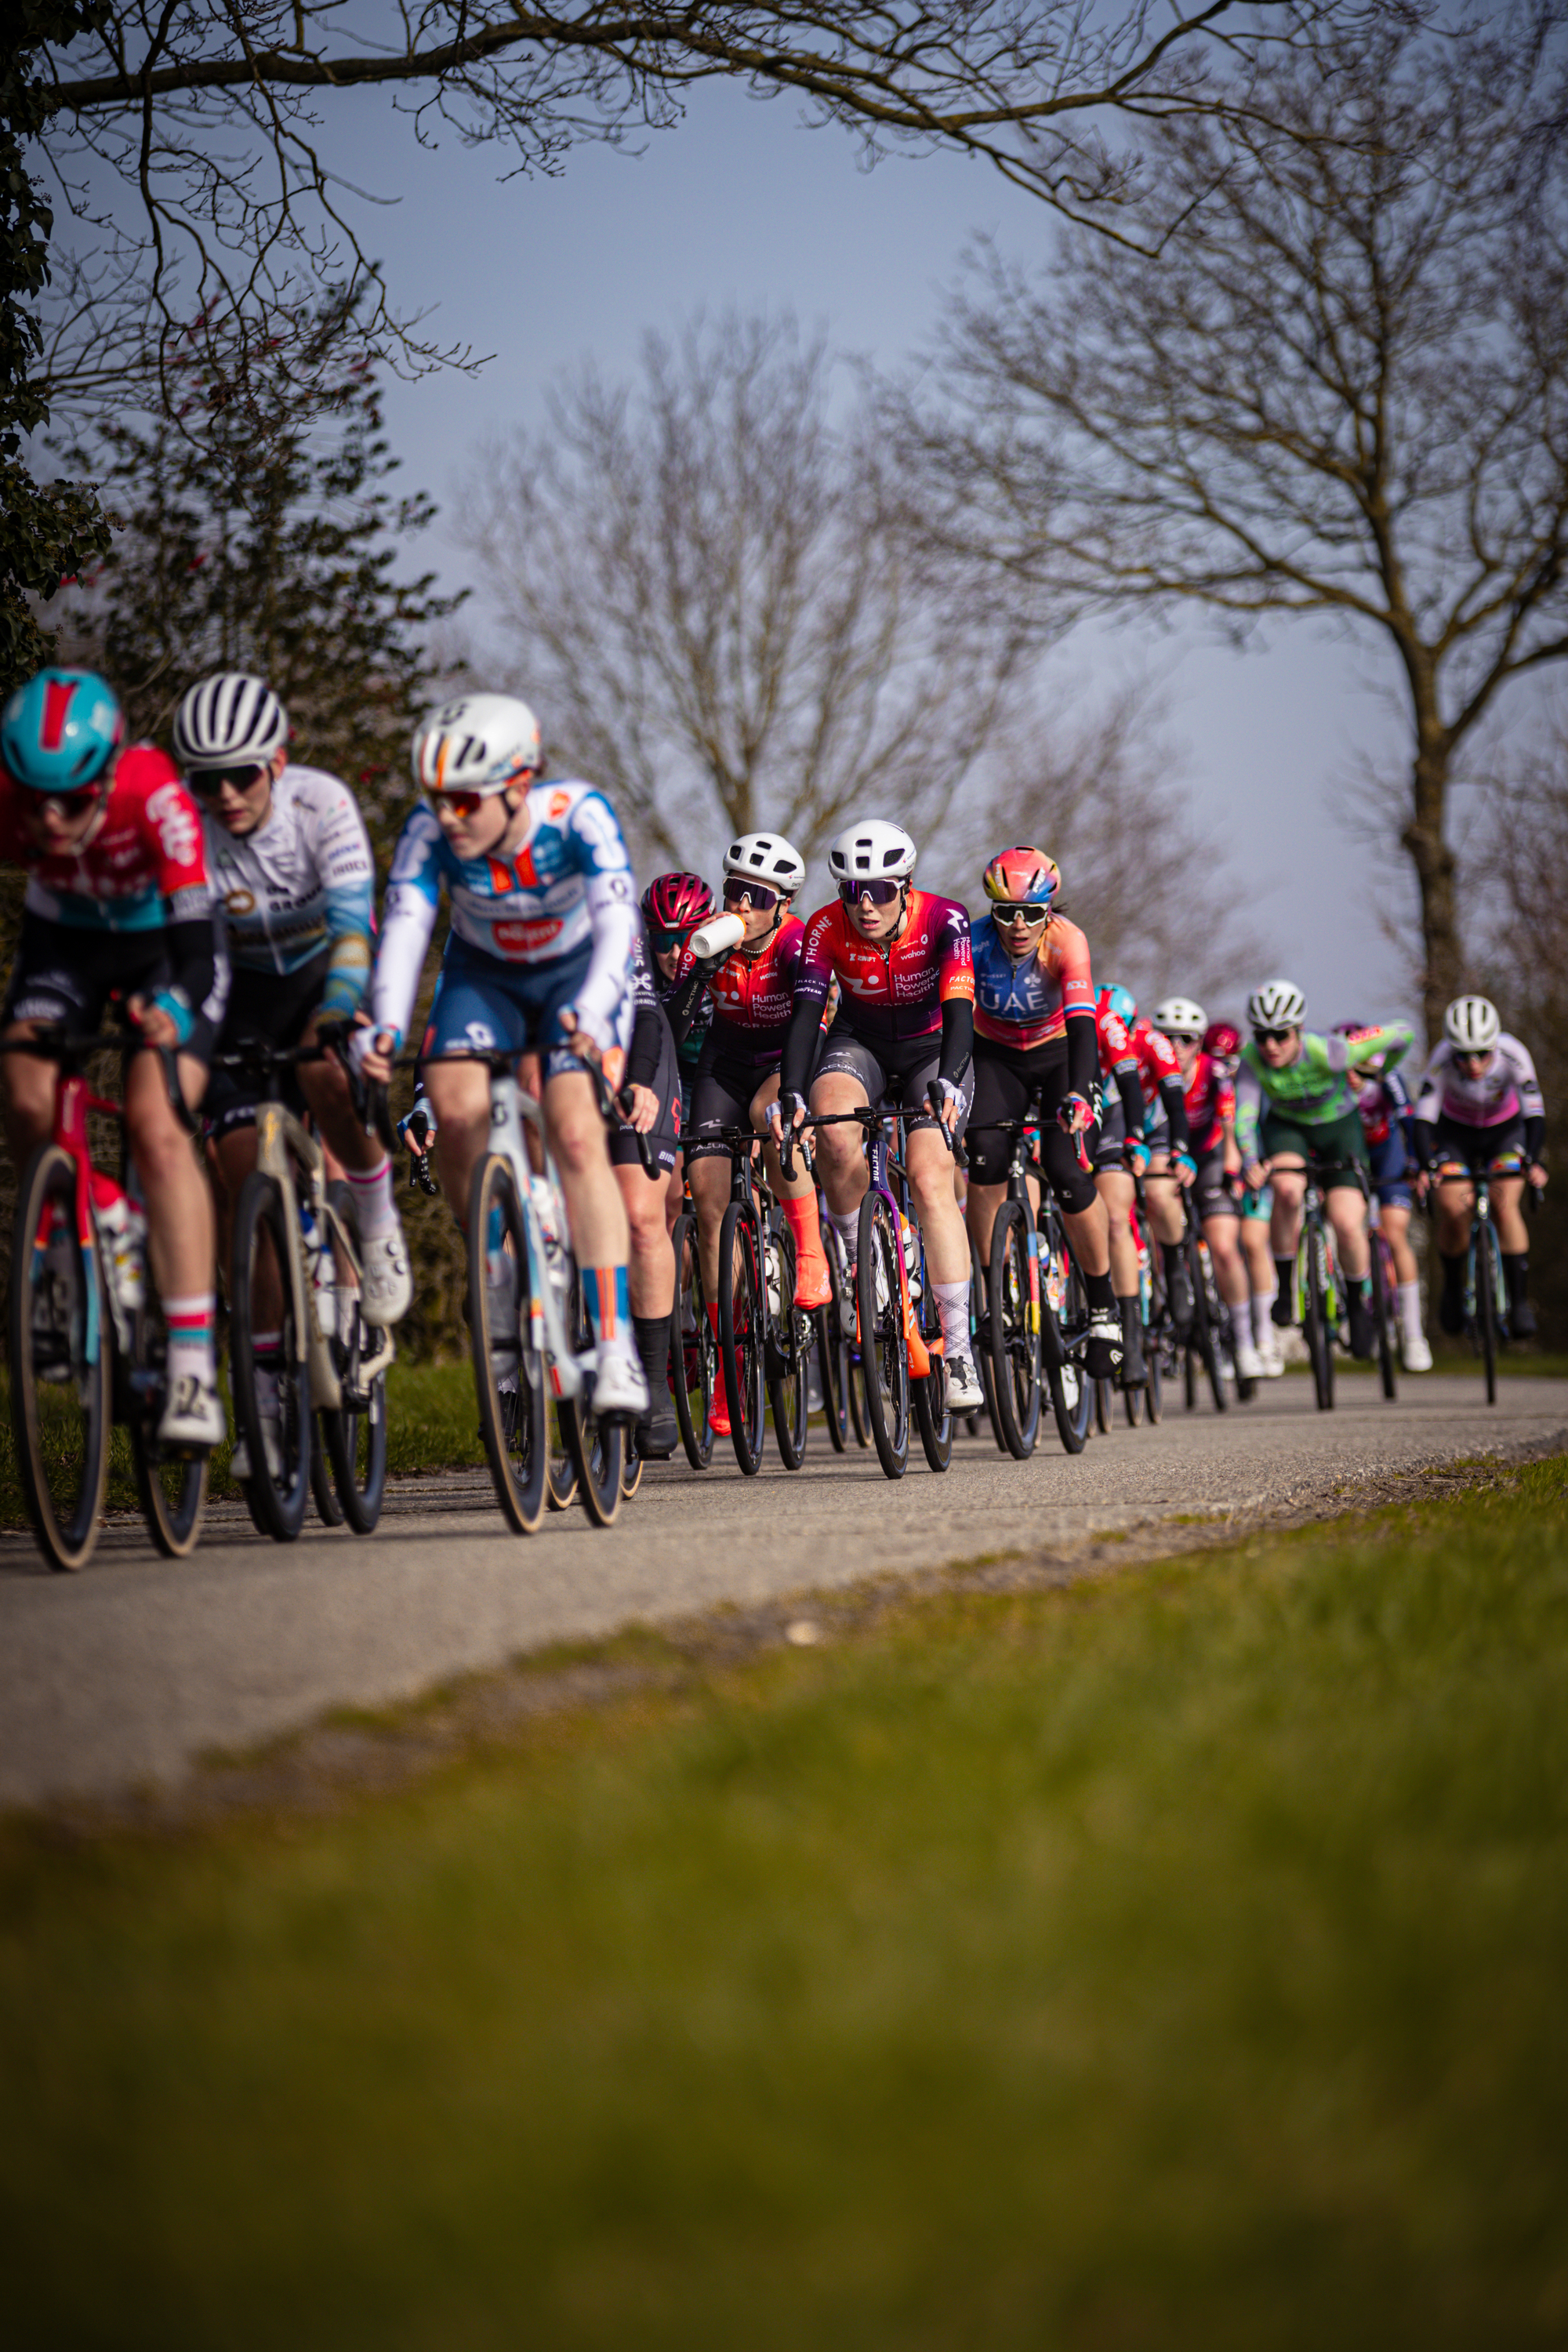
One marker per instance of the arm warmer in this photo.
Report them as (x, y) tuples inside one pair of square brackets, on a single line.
[(957, 1036), (800, 1044), (1174, 1099), (192, 952), (1083, 1058), (1535, 1133), (648, 1032)]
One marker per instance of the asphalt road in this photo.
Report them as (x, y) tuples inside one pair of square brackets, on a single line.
[(124, 1674)]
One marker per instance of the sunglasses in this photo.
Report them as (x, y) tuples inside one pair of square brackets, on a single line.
[(1273, 1036), (75, 803), (739, 892), (880, 894), (1015, 911), (208, 784), (667, 942), (1482, 1056), (461, 804)]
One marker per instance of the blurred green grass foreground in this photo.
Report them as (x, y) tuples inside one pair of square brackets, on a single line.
[(1177, 1959)]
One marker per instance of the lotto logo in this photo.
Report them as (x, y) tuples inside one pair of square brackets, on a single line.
[(175, 820)]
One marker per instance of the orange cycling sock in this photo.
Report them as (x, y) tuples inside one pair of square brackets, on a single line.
[(812, 1287)]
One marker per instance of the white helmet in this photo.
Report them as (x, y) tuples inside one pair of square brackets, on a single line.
[(230, 721), (872, 852), (1277, 1005), (767, 857), (1178, 1016), (1471, 1024), (479, 743)]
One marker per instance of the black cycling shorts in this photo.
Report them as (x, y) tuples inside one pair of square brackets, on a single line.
[(1479, 1147), (1212, 1197), (721, 1096), (664, 1136), (276, 1006), (1006, 1083), (898, 1077), (70, 975)]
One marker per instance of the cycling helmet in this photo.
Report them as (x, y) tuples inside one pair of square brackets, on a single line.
[(1471, 1024), (60, 730), (767, 857), (1178, 1016), (677, 902), (1223, 1039), (1118, 1001), (872, 852), (479, 743), (1026, 877), (1277, 1005), (230, 721)]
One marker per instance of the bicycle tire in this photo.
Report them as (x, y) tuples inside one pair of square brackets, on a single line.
[(323, 1494), (1315, 1326), (933, 1414), (1154, 1343), (1204, 1337), (833, 1345), (1382, 1317), (355, 1436), (62, 1447), (632, 1466), (511, 1420), (884, 1349), (1068, 1388), (743, 1328), (980, 1329), (172, 1488), (787, 1348), (1132, 1400), (1485, 1241), (561, 1468), (261, 1219), (1014, 1350), (690, 1351)]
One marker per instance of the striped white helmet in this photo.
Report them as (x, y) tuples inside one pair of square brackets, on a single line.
[(478, 743), (1471, 1024), (1178, 1016), (770, 857), (230, 721), (1277, 1005), (873, 851)]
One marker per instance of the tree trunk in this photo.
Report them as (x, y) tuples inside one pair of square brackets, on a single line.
[(1442, 974)]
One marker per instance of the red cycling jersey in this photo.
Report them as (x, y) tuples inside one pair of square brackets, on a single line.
[(1152, 1055), (891, 990), (752, 996), (141, 865), (1210, 1104)]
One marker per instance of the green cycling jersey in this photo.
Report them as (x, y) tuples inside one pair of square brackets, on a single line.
[(1312, 1090)]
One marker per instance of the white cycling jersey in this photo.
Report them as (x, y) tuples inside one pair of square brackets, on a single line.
[(303, 881), (1507, 1088)]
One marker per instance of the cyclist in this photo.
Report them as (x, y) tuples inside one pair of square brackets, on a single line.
[(653, 1081), (1034, 1041), (1481, 1100), (543, 931), (1120, 1150), (1210, 1097), (1222, 1041), (673, 906), (1293, 1105), (1388, 1123), (119, 904), (751, 990), (905, 1023), (1130, 1044)]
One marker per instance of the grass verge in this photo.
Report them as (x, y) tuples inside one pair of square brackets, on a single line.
[(1171, 1960)]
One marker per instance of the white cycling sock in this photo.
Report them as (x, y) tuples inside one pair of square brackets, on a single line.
[(953, 1306), (848, 1230), (1410, 1310), (1263, 1314), (372, 1197), (189, 1324)]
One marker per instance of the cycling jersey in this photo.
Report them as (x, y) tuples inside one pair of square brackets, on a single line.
[(751, 996), (1312, 1091), (302, 883), (1210, 1104), (564, 894), (1508, 1089), (1386, 1110), (894, 995), (1142, 1052), (1026, 1004)]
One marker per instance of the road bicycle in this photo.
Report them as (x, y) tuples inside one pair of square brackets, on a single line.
[(296, 1322), (88, 1344), (1486, 1301), (764, 1339), (1037, 1312), (1318, 1299), (693, 1343), (898, 1351), (1193, 1354)]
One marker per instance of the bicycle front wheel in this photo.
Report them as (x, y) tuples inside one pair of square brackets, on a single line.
[(261, 1299), (1315, 1321), (172, 1488), (508, 1375), (59, 1363), (1487, 1272), (1071, 1403), (1383, 1315), (693, 1347), (1014, 1351), (743, 1324), (1206, 1339), (355, 1435), (787, 1346), (833, 1342), (884, 1350)]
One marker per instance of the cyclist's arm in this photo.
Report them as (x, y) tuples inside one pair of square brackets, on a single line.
[(1173, 1096), (813, 974), (408, 922), (1083, 1057), (649, 1026), (611, 900), (192, 925), (692, 975), (1249, 1111), (1392, 1040), (345, 862)]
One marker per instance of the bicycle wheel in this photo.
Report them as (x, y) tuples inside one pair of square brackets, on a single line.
[(509, 1379), (1154, 1342), (264, 1244), (1064, 1310), (172, 1488), (1014, 1350), (597, 1449), (884, 1350), (743, 1332), (933, 1414), (980, 1332), (561, 1468), (60, 1371), (1133, 1398), (329, 1510), (834, 1323), (1382, 1294), (1314, 1322), (693, 1350), (787, 1348), (1205, 1337), (1484, 1242), (355, 1436)]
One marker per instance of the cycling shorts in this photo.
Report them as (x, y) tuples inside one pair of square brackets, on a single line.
[(901, 1081), (663, 1137), (1006, 1083), (1479, 1147), (483, 1005), (1390, 1171), (1330, 1139), (721, 1095), (275, 1005), (1212, 1196), (1109, 1154), (1258, 1206), (69, 974)]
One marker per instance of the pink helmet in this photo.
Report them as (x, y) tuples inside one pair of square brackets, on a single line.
[(677, 902)]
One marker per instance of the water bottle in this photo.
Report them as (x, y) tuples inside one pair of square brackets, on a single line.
[(717, 937), (774, 1278), (912, 1254), (123, 1230)]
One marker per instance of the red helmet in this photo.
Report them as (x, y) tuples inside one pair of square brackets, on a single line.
[(1222, 1038), (677, 902), (1024, 877)]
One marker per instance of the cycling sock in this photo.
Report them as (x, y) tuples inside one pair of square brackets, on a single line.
[(372, 1198), (1453, 1273), (1171, 1251), (189, 1322), (849, 1231), (1263, 1312), (1516, 1267), (953, 1306), (1410, 1310), (607, 1291), (801, 1217), (652, 1351), (1101, 1297), (1285, 1271)]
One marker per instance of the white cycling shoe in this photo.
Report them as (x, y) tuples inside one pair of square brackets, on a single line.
[(271, 1446), (1415, 1353), (1249, 1363), (194, 1413), (964, 1394), (388, 1289), (620, 1387), (1271, 1355)]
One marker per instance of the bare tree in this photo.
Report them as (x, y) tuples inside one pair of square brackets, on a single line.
[(1340, 389), (699, 579)]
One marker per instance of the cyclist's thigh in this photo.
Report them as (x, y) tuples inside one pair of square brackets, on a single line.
[(1001, 1096), (847, 1075), (480, 1006), (276, 1007), (721, 1098), (1109, 1151), (66, 976), (1212, 1198), (915, 1071), (663, 1137)]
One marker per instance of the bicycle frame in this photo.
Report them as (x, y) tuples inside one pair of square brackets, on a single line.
[(283, 1144), (513, 1113)]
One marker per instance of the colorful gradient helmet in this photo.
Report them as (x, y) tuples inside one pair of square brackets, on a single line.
[(60, 730), (1223, 1040), (1118, 1001), (677, 902), (1023, 878)]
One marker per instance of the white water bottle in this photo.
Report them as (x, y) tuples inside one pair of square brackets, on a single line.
[(717, 937), (124, 1227)]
